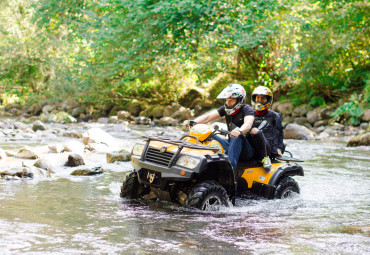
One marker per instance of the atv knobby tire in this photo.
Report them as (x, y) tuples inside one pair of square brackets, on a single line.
[(131, 186), (286, 187), (208, 196)]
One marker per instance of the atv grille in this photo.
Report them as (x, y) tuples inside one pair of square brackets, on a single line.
[(153, 155)]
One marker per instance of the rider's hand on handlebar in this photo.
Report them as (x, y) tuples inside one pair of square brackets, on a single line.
[(235, 132)]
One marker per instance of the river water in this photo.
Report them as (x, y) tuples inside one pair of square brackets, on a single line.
[(65, 214)]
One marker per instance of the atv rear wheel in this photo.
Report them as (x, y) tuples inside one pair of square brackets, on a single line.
[(286, 187), (208, 196), (131, 188)]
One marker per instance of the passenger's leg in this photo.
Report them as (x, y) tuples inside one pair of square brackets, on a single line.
[(260, 144)]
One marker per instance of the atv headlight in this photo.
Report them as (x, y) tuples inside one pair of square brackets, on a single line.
[(138, 149), (188, 162)]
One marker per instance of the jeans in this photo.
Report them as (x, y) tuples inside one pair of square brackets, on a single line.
[(235, 148)]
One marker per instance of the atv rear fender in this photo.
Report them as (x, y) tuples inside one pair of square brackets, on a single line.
[(286, 170)]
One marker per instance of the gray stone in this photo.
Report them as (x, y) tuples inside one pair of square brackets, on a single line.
[(300, 120), (364, 126), (76, 112), (285, 108), (313, 116), (321, 123), (169, 110), (301, 110), (366, 116), (120, 156), (168, 121), (362, 139), (135, 107), (295, 131), (74, 160), (124, 115), (26, 153), (38, 125), (142, 120), (88, 172), (183, 114), (20, 125)]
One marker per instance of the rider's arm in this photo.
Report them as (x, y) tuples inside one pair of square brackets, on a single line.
[(213, 115), (248, 122)]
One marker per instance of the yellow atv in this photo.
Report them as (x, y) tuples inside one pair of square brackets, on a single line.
[(194, 171)]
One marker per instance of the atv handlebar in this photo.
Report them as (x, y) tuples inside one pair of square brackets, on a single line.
[(226, 132)]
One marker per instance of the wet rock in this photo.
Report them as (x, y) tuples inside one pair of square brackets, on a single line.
[(313, 116), (364, 126), (168, 121), (124, 115), (88, 172), (26, 153), (64, 117), (14, 172), (295, 131), (323, 136), (362, 139), (285, 108), (170, 109), (113, 119), (366, 116), (142, 120), (74, 160), (47, 109), (120, 156), (72, 134), (301, 110), (189, 97), (38, 125), (2, 154), (49, 163), (69, 105), (135, 107), (300, 120), (20, 125), (321, 123), (183, 114), (76, 112)]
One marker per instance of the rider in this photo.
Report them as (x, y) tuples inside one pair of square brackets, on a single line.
[(239, 119), (269, 141)]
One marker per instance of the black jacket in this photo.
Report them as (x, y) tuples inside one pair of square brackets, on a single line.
[(273, 132)]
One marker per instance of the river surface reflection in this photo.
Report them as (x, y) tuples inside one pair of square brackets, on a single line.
[(67, 214)]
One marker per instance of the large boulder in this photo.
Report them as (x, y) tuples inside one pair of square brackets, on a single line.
[(120, 156), (135, 107), (27, 153), (124, 115), (301, 110), (88, 172), (169, 110), (295, 131), (366, 116), (313, 116), (362, 139), (183, 114), (38, 125), (74, 160), (189, 97), (285, 108)]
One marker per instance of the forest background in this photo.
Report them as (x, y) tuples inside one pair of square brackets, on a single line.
[(113, 51)]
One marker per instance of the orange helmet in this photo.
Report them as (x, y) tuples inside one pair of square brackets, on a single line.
[(263, 91)]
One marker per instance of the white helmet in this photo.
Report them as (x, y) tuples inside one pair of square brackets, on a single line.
[(233, 91)]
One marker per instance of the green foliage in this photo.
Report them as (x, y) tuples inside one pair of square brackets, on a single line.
[(98, 51)]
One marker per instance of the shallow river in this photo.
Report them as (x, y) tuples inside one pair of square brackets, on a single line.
[(67, 214)]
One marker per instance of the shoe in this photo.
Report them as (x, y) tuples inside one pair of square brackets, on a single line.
[(266, 164)]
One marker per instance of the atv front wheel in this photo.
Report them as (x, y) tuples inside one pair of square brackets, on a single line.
[(208, 196), (131, 186), (286, 187)]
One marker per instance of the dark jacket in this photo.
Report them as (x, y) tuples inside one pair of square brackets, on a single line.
[(273, 132)]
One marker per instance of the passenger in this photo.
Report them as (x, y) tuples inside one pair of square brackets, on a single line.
[(239, 119), (268, 142)]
